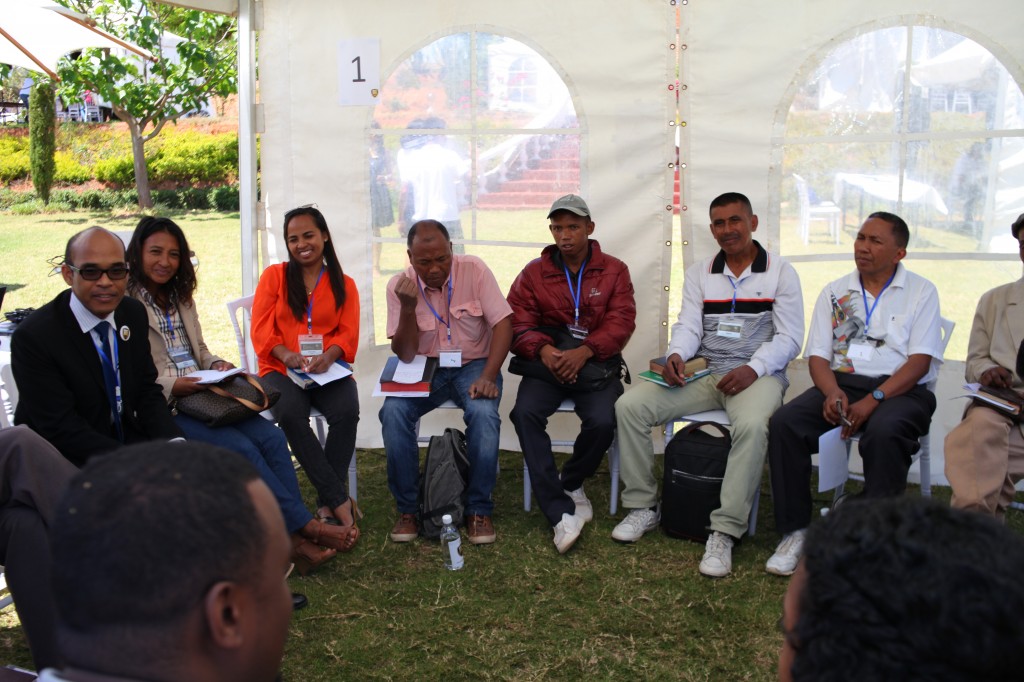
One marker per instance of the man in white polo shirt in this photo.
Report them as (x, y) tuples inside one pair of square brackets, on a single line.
[(873, 345)]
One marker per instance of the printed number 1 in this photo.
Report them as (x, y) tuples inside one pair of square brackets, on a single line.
[(359, 71)]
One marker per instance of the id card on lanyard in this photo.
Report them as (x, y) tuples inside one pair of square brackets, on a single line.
[(179, 353), (449, 355), (311, 344), (730, 326), (863, 348)]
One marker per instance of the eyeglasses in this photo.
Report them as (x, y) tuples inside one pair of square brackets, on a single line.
[(93, 273)]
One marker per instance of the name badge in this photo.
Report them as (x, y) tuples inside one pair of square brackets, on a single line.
[(311, 344), (860, 349), (577, 331), (730, 328), (181, 358), (450, 357)]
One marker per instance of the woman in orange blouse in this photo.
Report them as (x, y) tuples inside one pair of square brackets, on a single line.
[(310, 301)]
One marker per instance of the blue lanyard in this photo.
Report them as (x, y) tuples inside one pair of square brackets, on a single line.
[(575, 293), (735, 289), (446, 322), (170, 324), (309, 306), (870, 311)]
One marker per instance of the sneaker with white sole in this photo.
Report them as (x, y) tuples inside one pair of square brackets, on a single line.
[(636, 523), (787, 554), (567, 531), (717, 561), (584, 509)]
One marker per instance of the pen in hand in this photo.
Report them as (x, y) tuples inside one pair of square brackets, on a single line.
[(842, 415)]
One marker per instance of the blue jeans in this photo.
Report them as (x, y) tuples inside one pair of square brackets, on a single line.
[(398, 418), (266, 448)]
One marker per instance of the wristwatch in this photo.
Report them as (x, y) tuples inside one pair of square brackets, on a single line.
[(878, 395)]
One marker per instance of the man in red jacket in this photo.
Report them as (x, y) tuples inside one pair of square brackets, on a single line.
[(572, 314)]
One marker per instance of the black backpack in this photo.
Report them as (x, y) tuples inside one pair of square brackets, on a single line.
[(694, 468), (443, 481)]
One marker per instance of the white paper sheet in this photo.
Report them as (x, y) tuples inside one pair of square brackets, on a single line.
[(334, 372), (410, 372), (833, 463), (213, 376)]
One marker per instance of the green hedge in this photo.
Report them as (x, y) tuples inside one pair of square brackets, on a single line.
[(14, 161), (118, 170), (69, 171), (185, 158), (219, 198)]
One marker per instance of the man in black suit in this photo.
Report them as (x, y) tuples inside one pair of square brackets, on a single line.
[(82, 363)]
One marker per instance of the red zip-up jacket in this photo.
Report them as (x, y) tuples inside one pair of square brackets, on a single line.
[(540, 297)]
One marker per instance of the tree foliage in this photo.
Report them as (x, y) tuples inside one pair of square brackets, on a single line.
[(42, 137), (149, 94)]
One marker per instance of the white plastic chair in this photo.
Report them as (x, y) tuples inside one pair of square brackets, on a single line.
[(7, 377), (924, 455), (247, 358), (719, 417), (613, 464), (825, 211), (6, 600)]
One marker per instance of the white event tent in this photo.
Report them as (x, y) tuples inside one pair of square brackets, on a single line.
[(739, 67)]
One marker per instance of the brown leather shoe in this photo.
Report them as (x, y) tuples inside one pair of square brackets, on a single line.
[(406, 528), (480, 529)]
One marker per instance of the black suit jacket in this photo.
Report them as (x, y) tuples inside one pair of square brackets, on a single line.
[(62, 395)]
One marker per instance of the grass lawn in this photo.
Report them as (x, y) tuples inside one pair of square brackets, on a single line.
[(518, 611), (28, 241)]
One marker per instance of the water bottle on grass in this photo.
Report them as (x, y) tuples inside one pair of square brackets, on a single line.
[(451, 541)]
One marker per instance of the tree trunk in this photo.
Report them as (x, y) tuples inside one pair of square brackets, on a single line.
[(139, 162)]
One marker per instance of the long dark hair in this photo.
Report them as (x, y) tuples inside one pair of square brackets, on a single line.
[(293, 273), (183, 285)]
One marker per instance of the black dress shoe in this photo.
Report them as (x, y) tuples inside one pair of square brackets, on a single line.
[(299, 601)]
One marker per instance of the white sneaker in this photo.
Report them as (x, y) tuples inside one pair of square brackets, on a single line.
[(787, 554), (636, 523), (567, 531), (717, 561), (584, 509)]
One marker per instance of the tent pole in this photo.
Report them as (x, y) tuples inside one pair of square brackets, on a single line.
[(247, 192)]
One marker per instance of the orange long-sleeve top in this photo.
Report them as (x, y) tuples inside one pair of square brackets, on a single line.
[(273, 322)]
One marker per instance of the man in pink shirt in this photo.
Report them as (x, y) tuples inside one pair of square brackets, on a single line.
[(449, 307)]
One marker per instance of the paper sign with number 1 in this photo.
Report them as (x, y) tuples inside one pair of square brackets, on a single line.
[(358, 71)]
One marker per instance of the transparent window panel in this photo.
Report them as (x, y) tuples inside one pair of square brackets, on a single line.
[(433, 82), (518, 177), (961, 84), (828, 190), (982, 182), (437, 150), (857, 89), (519, 88), (433, 179)]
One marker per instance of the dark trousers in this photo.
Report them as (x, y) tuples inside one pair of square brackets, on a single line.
[(326, 467), (537, 400), (888, 442), (33, 476)]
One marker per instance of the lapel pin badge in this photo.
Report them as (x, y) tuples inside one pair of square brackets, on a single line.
[(125, 332)]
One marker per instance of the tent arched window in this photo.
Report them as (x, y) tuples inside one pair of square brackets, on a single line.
[(918, 120), (477, 130)]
